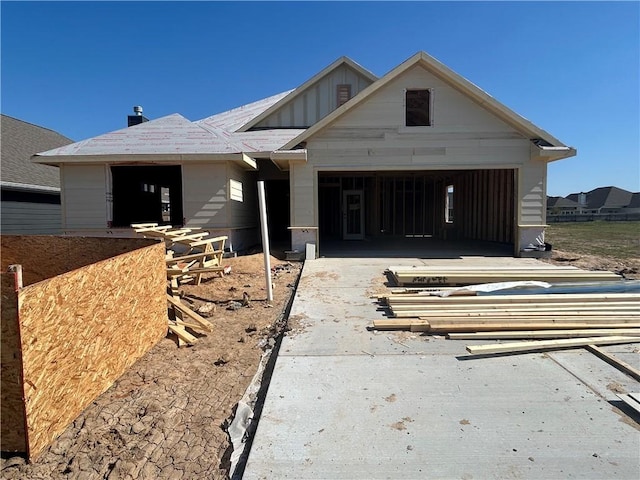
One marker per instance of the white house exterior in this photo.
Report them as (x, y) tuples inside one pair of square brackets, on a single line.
[(357, 157)]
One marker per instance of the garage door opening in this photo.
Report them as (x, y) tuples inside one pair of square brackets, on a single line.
[(147, 194), (447, 205)]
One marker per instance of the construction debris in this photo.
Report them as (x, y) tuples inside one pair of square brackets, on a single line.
[(187, 267)]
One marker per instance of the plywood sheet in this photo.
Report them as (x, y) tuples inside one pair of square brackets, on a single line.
[(13, 437), (81, 330), (44, 257)]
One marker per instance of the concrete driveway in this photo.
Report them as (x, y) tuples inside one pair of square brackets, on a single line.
[(348, 403)]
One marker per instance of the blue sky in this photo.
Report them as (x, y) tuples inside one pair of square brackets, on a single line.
[(572, 68)]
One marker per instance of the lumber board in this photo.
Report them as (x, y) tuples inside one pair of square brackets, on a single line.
[(206, 241), (627, 313), (630, 399), (542, 297), (208, 326), (548, 344), (571, 333), (615, 362), (384, 324), (186, 258), (453, 327), (478, 268), (182, 334)]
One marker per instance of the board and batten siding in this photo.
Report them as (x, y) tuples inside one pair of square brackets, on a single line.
[(84, 197), (317, 101), (29, 218)]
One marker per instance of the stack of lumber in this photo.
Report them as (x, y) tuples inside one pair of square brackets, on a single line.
[(200, 252), (457, 275), (510, 312)]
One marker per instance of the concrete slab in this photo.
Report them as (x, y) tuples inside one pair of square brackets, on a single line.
[(348, 403)]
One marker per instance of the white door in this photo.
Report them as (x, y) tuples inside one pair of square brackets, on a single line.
[(353, 214)]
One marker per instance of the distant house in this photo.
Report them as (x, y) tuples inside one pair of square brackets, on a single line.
[(602, 200), (30, 202), (562, 206), (603, 203), (419, 153)]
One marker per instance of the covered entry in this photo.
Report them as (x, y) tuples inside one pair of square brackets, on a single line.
[(445, 205)]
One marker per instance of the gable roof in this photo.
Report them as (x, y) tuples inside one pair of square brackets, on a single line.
[(560, 202), (302, 88), (604, 197), (635, 200), (458, 82), (20, 140)]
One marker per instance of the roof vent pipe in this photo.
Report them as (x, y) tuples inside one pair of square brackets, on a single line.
[(136, 119)]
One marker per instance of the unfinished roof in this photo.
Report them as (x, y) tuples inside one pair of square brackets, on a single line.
[(175, 135), (20, 140), (521, 124), (233, 119)]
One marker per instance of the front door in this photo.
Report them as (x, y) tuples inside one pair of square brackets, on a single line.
[(353, 214)]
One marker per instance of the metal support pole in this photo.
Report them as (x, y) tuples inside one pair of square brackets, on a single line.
[(265, 239)]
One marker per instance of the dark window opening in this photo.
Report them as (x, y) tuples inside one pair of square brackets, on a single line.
[(344, 94), (418, 111), (147, 194), (32, 197)]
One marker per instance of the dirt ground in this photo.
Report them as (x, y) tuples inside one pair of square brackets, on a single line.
[(629, 268), (166, 417)]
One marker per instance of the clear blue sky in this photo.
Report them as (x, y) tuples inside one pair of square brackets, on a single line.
[(571, 68)]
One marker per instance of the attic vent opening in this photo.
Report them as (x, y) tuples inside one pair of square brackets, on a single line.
[(343, 94)]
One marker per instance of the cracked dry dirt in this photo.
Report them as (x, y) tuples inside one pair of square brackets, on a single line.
[(166, 417)]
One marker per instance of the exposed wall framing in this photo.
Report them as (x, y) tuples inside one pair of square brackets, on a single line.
[(77, 331), (485, 205)]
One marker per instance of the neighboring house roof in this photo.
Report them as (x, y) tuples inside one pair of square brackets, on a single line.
[(604, 197), (635, 200), (561, 202), (20, 140), (545, 141)]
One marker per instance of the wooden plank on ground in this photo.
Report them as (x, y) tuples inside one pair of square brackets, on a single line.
[(631, 399), (571, 333), (182, 334), (615, 362), (512, 347), (208, 326)]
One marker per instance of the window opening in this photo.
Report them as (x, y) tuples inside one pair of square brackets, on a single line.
[(418, 108), (448, 209)]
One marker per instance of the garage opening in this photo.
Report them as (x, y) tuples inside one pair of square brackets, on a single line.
[(147, 194), (403, 205)]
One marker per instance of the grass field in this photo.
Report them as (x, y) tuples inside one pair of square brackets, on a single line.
[(620, 240)]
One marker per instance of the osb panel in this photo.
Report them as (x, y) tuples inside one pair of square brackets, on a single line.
[(44, 257), (13, 434), (82, 330)]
